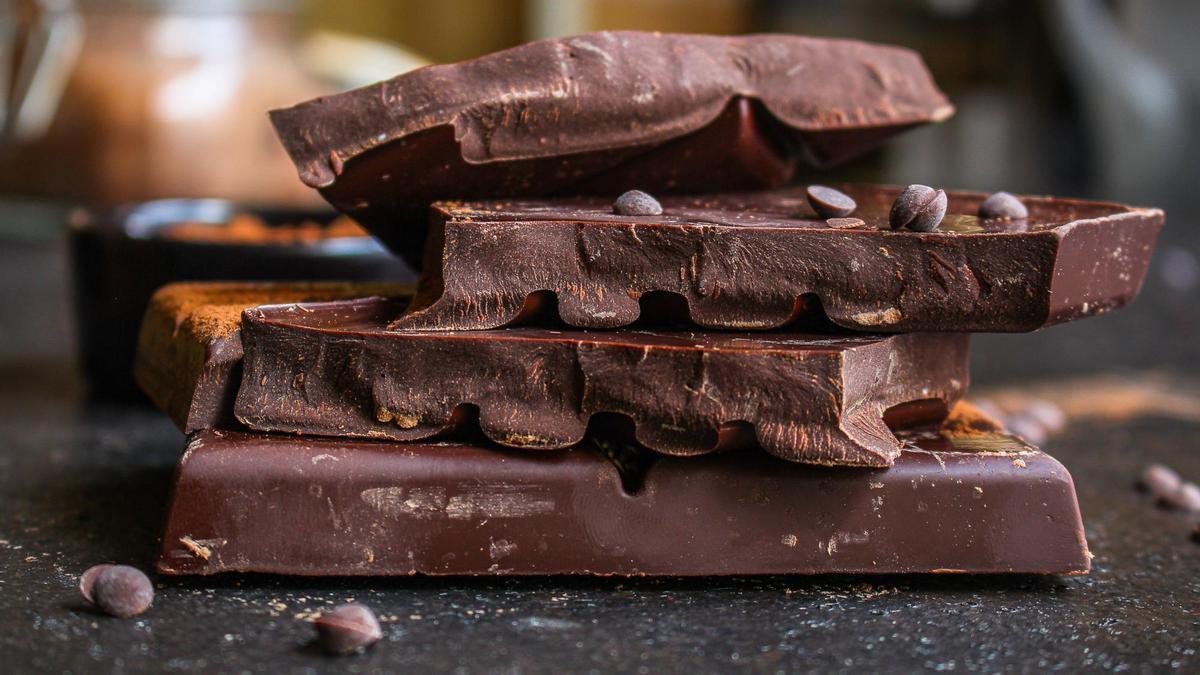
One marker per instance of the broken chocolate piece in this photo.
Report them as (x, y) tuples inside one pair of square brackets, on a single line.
[(978, 503), (829, 203), (333, 369), (748, 261), (600, 114), (1003, 205), (636, 203), (189, 352)]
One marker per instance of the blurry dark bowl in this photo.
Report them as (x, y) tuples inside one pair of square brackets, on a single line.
[(120, 258)]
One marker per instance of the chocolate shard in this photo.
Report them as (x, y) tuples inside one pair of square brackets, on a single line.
[(977, 502), (189, 353), (602, 112), (757, 260), (333, 369)]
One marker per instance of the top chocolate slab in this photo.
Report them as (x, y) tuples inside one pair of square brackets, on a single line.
[(760, 260), (599, 113)]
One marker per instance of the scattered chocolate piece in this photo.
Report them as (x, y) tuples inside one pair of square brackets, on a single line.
[(829, 203), (347, 629), (1186, 498), (1160, 481), (119, 590), (751, 261), (1003, 205), (87, 580), (637, 203), (919, 208), (955, 502)]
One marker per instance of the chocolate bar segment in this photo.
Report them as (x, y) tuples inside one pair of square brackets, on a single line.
[(975, 503), (602, 112), (334, 369), (189, 353), (761, 260)]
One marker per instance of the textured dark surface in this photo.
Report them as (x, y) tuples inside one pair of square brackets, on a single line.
[(81, 484)]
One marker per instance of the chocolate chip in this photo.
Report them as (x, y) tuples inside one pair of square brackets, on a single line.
[(1160, 481), (119, 590), (1186, 498), (347, 629), (829, 203), (919, 207), (1003, 205), (87, 580), (636, 203)]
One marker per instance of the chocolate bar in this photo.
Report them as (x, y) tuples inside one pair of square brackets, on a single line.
[(975, 502), (334, 369), (602, 113), (189, 352), (761, 260)]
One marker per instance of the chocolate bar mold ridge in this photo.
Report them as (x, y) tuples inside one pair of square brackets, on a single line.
[(988, 505), (756, 261), (591, 113), (333, 369)]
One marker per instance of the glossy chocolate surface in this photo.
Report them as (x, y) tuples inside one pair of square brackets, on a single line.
[(602, 113), (334, 369), (976, 503), (760, 260)]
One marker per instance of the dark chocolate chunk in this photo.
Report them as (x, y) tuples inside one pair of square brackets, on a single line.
[(1160, 481), (1003, 205), (121, 590), (599, 114), (347, 629), (189, 353), (971, 503), (333, 369), (87, 581), (636, 203), (829, 203), (747, 261), (919, 208)]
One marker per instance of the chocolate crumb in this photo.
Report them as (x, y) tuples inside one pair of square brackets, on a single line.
[(1003, 205), (347, 629), (636, 203), (120, 590), (1186, 498), (829, 203), (1160, 481), (919, 208)]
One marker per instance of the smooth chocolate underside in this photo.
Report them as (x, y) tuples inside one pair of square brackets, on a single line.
[(761, 260), (978, 503), (599, 114), (189, 353), (333, 369)]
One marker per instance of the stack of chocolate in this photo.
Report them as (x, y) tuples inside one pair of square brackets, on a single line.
[(594, 380)]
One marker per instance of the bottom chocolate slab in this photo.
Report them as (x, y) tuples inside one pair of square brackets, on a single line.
[(973, 503)]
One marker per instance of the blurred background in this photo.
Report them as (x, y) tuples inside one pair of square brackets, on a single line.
[(116, 102)]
